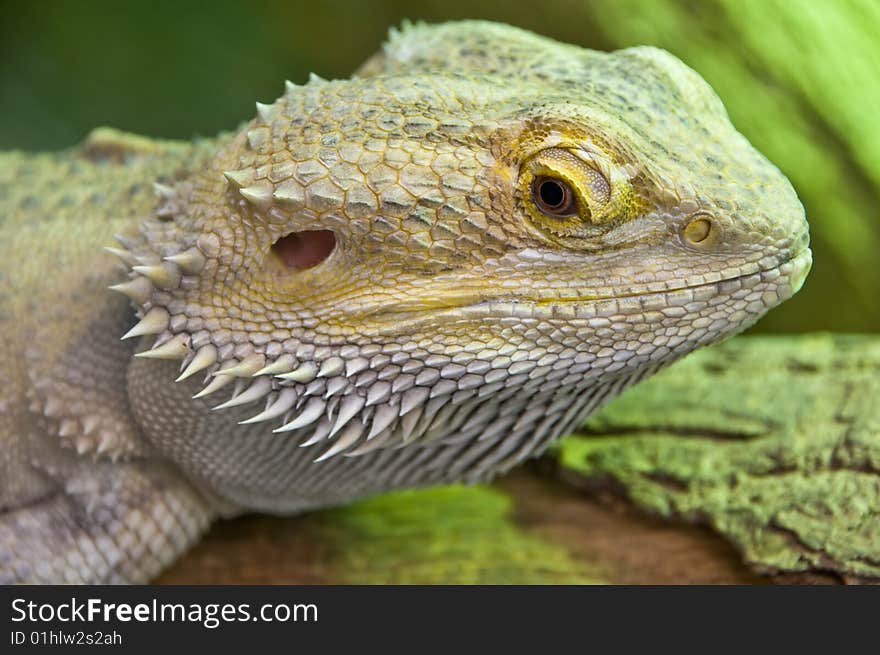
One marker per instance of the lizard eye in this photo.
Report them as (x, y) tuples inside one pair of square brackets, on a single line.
[(554, 197), (561, 192), (571, 195)]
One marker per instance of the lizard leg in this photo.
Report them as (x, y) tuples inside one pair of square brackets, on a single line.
[(83, 499), (102, 522)]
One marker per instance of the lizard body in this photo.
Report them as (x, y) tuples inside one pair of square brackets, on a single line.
[(423, 274)]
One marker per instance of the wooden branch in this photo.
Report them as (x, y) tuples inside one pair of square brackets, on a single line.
[(772, 441)]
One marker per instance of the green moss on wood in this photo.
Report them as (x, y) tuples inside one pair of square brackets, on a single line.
[(446, 535), (774, 442)]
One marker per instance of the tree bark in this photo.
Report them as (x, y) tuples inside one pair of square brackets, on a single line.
[(773, 442)]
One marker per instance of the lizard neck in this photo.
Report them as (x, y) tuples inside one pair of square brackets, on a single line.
[(451, 440)]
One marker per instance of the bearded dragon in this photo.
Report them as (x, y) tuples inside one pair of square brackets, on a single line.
[(423, 274)]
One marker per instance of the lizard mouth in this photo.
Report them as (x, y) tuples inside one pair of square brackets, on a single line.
[(794, 268), (800, 265), (784, 280)]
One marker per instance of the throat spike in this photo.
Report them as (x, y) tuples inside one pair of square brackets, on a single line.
[(257, 390), (348, 409), (154, 321), (215, 385), (190, 261), (175, 348), (283, 364), (122, 254), (310, 413), (304, 373), (246, 368), (164, 276), (345, 441), (205, 357), (139, 289), (285, 401)]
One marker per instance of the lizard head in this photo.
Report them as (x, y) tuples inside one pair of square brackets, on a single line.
[(515, 244)]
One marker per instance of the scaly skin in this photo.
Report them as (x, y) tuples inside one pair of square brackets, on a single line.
[(454, 330)]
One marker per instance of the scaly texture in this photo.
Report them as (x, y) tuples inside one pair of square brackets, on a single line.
[(797, 78), (423, 274), (795, 484)]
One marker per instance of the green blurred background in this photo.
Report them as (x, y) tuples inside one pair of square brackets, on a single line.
[(800, 78)]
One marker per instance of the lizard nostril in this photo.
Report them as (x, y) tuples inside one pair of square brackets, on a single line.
[(699, 230), (302, 250)]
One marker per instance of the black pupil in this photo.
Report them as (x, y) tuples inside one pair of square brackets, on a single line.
[(552, 194)]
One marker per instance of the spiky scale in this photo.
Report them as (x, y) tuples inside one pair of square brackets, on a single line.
[(164, 276), (265, 112), (335, 386), (319, 434), (190, 261), (90, 423), (246, 368), (139, 289), (431, 410), (105, 443), (257, 137), (345, 441), (413, 398), (443, 388), (402, 383), (68, 428), (122, 254), (355, 366), (175, 348), (205, 357), (365, 379), (408, 425), (310, 413), (240, 178), (53, 407), (259, 389), (494, 429), (371, 445), (304, 373), (154, 321), (289, 193), (283, 403), (215, 385), (379, 392), (315, 388), (283, 364), (331, 367), (259, 195), (427, 377), (348, 409), (385, 415), (124, 241)]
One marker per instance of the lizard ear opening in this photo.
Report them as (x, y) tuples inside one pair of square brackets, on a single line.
[(299, 251)]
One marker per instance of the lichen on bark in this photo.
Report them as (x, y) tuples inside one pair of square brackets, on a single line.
[(445, 535), (772, 441)]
